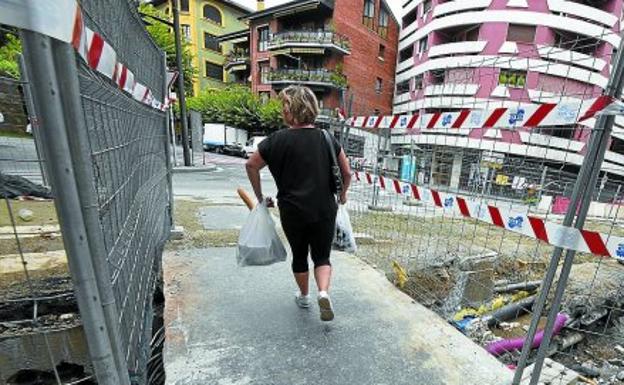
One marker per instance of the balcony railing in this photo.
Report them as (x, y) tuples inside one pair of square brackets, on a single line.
[(310, 38), (236, 58), (319, 77)]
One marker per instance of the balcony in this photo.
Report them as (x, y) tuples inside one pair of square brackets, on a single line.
[(318, 77), (298, 40), (237, 60)]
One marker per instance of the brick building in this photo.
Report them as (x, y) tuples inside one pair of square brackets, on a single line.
[(344, 50)]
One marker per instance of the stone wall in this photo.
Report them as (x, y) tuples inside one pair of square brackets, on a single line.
[(12, 107)]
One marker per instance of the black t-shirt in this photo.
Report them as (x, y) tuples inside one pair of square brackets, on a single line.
[(300, 162)]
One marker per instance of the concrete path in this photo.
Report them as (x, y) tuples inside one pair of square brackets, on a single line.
[(240, 326)]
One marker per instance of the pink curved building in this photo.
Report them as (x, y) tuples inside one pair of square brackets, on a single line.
[(485, 54)]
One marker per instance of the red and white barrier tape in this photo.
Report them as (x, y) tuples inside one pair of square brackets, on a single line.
[(554, 234), (524, 116), (63, 20)]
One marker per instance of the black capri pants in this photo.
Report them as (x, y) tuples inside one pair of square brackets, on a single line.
[(315, 238)]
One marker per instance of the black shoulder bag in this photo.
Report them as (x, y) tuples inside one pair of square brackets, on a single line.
[(335, 168)]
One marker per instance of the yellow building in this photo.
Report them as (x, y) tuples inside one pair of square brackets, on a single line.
[(202, 23)]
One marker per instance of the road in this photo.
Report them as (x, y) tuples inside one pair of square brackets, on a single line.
[(220, 185)]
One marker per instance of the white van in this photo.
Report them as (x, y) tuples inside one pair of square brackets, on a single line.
[(252, 145)]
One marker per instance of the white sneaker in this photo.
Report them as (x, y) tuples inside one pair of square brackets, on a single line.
[(303, 301), (325, 306)]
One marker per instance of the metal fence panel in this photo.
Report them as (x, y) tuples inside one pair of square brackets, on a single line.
[(127, 142), (111, 174), (468, 216)]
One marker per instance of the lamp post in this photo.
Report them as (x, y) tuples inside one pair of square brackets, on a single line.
[(178, 42)]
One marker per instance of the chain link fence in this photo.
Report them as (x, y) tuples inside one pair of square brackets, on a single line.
[(483, 278), (80, 284), (480, 275)]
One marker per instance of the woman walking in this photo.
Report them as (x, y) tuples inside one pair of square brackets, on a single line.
[(300, 161)]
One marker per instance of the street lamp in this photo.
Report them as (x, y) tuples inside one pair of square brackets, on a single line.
[(182, 97)]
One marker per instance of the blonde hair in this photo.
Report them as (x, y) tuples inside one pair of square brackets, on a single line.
[(300, 103)]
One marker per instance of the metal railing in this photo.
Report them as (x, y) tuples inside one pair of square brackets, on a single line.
[(317, 76), (237, 57), (323, 38)]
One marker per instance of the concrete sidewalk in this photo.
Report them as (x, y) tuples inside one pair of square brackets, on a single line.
[(240, 326)]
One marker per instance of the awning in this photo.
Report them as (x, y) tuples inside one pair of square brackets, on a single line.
[(240, 67), (298, 50), (319, 51)]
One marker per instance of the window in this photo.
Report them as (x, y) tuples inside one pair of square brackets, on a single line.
[(264, 72), (521, 33), (473, 34), (211, 13), (406, 53), (418, 82), (423, 44), (426, 7), (516, 79), (402, 87), (578, 43), (263, 39), (214, 71), (369, 13), (166, 11), (382, 51), (383, 22), (184, 5), (211, 42), (378, 85), (410, 17), (437, 77), (186, 31)]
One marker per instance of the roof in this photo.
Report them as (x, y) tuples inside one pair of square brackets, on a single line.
[(234, 35), (291, 5), (229, 3), (384, 2)]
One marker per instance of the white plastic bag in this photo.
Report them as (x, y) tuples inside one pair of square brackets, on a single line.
[(344, 239), (258, 242)]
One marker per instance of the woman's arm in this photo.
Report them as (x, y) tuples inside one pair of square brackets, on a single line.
[(345, 169), (253, 166)]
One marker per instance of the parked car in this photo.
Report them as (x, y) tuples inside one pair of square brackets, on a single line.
[(252, 145), (234, 149)]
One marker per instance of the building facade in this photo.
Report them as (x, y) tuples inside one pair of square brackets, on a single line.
[(485, 54), (202, 23), (345, 51)]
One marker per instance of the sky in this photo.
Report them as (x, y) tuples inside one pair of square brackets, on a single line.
[(394, 4)]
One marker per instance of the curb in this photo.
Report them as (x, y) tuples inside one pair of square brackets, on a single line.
[(194, 169)]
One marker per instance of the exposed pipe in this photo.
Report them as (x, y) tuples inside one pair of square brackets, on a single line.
[(499, 347), (509, 312), (526, 286)]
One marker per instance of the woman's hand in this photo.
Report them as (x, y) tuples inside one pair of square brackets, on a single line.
[(343, 197)]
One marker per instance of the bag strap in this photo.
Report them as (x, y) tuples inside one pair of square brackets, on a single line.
[(332, 152)]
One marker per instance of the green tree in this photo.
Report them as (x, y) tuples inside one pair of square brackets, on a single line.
[(237, 106), (10, 48), (164, 37)]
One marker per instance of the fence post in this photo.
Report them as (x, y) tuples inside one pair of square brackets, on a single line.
[(67, 73), (168, 144), (582, 193), (32, 116), (39, 56)]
